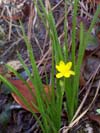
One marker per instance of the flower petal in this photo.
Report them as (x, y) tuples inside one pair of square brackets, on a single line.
[(72, 72), (68, 65), (58, 68), (64, 70), (61, 63), (61, 66), (67, 75), (59, 75)]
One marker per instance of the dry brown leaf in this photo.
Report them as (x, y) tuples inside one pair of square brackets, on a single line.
[(22, 88), (95, 118), (15, 64), (94, 1)]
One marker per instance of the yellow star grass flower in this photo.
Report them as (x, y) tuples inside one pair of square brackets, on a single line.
[(64, 70)]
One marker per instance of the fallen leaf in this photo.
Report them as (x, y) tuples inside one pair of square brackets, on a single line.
[(22, 88), (15, 64), (95, 118), (94, 1), (91, 63)]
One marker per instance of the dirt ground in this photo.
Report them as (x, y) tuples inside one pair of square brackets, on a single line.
[(15, 119)]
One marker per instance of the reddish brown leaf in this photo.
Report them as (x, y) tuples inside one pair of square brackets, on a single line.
[(94, 1), (26, 93), (95, 118)]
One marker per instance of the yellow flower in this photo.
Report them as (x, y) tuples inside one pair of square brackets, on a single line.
[(64, 70)]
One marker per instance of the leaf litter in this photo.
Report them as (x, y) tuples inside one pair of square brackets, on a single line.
[(18, 118)]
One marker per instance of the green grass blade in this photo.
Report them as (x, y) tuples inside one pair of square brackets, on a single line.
[(65, 47), (74, 21)]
